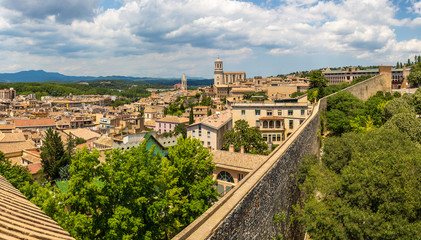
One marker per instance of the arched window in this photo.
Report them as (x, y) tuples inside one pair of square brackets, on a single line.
[(265, 124), (225, 176), (270, 124), (278, 124)]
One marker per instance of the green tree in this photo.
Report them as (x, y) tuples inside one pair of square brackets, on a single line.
[(244, 135), (209, 112), (407, 123), (375, 193), (342, 108), (415, 76), (53, 154), (137, 194), (187, 172), (398, 105), (206, 101), (181, 129), (17, 175), (416, 101), (319, 81), (191, 116)]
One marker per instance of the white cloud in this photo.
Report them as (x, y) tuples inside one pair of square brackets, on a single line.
[(417, 7), (157, 37)]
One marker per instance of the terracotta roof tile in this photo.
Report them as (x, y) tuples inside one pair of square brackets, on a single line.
[(21, 219), (44, 122), (239, 161), (84, 133)]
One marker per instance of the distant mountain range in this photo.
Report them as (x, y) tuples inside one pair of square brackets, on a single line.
[(42, 76)]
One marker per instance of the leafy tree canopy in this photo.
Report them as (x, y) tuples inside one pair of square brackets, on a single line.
[(244, 135), (415, 76), (366, 188)]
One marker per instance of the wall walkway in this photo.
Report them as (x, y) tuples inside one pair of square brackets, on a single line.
[(248, 210)]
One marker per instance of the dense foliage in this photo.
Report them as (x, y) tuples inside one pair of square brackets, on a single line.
[(141, 196), (348, 113), (366, 185), (17, 175), (53, 154), (366, 188), (415, 75), (122, 88), (248, 137)]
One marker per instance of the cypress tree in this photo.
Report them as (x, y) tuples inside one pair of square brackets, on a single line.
[(191, 117)]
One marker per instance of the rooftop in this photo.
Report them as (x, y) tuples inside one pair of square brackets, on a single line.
[(237, 161), (173, 119), (34, 122), (216, 120), (84, 133), (21, 219)]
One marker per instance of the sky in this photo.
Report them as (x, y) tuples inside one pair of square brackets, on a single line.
[(166, 38)]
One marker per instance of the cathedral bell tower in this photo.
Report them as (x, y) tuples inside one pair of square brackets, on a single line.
[(218, 73), (184, 83)]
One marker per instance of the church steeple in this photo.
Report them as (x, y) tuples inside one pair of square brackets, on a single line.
[(219, 72), (184, 83)]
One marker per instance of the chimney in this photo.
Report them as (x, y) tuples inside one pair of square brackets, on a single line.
[(242, 149), (231, 148)]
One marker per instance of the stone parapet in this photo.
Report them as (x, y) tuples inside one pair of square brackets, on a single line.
[(248, 210)]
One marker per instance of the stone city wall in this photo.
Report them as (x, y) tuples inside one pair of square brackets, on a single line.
[(249, 210)]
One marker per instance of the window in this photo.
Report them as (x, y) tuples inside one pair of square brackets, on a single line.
[(278, 137), (274, 138), (208, 134), (257, 112), (200, 133), (279, 112), (303, 112), (159, 124), (265, 137), (290, 112), (208, 143), (165, 125), (243, 112), (194, 133), (225, 177), (291, 124), (269, 113), (240, 177)]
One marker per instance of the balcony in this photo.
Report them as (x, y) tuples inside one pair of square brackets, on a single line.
[(271, 123)]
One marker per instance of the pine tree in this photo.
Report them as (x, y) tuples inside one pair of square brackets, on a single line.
[(53, 154)]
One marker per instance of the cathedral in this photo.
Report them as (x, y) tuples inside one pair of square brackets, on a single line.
[(226, 78)]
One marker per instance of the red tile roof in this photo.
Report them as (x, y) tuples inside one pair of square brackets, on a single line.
[(35, 122), (34, 168)]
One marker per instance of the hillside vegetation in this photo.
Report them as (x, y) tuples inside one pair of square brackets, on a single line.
[(366, 184)]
